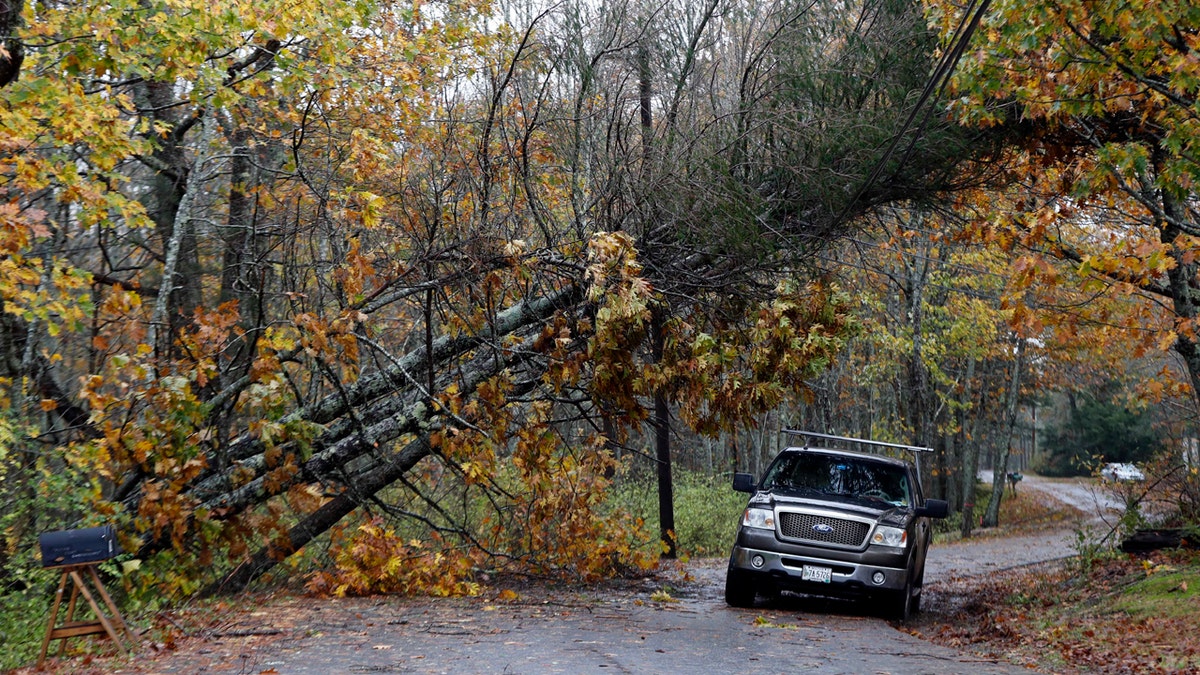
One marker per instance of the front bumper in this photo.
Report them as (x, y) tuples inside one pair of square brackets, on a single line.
[(847, 578)]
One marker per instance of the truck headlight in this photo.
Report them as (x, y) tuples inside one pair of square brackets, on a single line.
[(763, 519), (889, 536)]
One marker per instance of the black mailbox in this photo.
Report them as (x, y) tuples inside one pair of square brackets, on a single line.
[(78, 547)]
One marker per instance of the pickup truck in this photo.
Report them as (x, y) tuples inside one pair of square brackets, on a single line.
[(834, 523)]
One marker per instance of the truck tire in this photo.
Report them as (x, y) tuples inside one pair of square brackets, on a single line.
[(904, 605), (740, 590)]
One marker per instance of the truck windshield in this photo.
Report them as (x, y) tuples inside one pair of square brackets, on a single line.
[(851, 477)]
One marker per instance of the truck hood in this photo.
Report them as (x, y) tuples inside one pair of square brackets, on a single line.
[(848, 504)]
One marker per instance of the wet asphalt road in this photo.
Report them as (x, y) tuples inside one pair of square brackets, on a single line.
[(619, 630), (624, 633)]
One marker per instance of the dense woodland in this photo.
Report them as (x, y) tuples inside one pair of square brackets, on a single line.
[(420, 282)]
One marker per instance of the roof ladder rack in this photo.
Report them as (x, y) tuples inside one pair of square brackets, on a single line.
[(813, 434)]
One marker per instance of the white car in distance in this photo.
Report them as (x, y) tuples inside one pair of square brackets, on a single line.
[(1121, 471)]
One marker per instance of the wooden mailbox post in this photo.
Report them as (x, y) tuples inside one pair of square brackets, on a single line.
[(76, 553)]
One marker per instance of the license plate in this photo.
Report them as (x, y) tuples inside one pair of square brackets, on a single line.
[(818, 574)]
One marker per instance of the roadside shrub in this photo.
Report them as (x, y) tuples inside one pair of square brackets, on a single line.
[(951, 528), (373, 559), (23, 615), (1091, 549), (1176, 491), (706, 509)]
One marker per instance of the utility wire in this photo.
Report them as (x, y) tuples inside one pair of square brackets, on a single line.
[(937, 82)]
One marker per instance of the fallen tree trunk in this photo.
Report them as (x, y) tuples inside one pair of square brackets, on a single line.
[(367, 417), (317, 523), (415, 417), (392, 404)]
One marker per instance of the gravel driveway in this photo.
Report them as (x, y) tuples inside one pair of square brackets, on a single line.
[(1099, 509)]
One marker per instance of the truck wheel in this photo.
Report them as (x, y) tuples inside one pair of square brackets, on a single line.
[(739, 590), (919, 587), (904, 605)]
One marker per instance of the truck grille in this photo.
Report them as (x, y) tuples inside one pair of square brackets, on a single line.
[(808, 527)]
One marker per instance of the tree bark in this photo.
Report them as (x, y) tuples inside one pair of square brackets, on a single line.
[(383, 474), (242, 279), (12, 51), (1182, 278), (662, 449), (1000, 471), (387, 392), (970, 460), (179, 276)]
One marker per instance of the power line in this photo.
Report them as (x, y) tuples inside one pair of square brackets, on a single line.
[(937, 81)]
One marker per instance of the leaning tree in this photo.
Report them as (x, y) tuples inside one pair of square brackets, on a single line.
[(304, 260)]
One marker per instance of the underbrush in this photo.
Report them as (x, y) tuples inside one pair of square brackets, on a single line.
[(1123, 614), (23, 620), (25, 606), (707, 510)]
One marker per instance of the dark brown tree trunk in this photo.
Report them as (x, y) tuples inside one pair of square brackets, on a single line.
[(969, 449), (13, 51), (168, 187), (662, 449), (661, 419), (1182, 277), (241, 276)]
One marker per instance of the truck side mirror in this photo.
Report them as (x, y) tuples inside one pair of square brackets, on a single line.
[(934, 508), (743, 482)]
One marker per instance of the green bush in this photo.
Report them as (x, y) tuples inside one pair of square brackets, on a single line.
[(707, 510), (23, 616), (949, 529)]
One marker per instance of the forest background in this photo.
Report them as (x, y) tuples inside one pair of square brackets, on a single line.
[(400, 293)]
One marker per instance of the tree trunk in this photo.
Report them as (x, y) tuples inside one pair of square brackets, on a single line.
[(13, 51), (178, 295), (999, 472), (241, 277), (1182, 279), (918, 404), (383, 474), (662, 449), (969, 448), (173, 183), (661, 419)]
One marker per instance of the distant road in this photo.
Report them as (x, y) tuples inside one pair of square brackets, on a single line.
[(1100, 507), (1099, 502)]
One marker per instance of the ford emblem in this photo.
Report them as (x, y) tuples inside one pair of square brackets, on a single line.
[(823, 528)]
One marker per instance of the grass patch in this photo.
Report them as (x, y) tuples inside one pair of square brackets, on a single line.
[(1165, 592), (25, 611)]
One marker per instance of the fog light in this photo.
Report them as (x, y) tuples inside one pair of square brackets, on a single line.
[(877, 578), (757, 561)]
